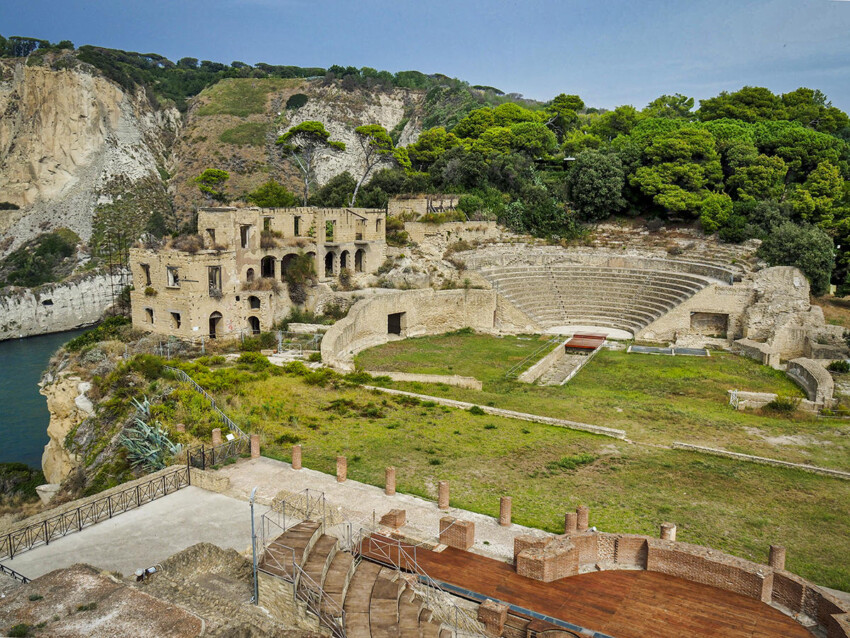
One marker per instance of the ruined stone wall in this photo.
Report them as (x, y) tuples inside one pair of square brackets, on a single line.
[(421, 204), (814, 378), (452, 231)]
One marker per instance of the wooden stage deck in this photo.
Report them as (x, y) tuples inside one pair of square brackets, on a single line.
[(622, 604)]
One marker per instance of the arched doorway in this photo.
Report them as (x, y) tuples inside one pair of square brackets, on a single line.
[(249, 276), (254, 302), (329, 264), (254, 325), (215, 323), (285, 263), (267, 267), (343, 260), (358, 260)]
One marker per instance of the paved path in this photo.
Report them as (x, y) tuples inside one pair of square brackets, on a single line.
[(359, 503), (148, 535)]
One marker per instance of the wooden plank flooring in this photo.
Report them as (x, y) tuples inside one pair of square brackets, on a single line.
[(623, 604)]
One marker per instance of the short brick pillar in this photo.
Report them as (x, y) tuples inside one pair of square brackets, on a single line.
[(493, 616), (668, 531), (341, 469), (296, 457), (457, 533), (443, 495), (255, 446), (389, 483), (180, 427), (570, 523), (527, 541), (394, 518), (556, 559), (582, 518), (216, 436), (505, 511), (777, 557)]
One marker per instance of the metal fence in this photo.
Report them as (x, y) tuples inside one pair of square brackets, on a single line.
[(202, 456), (74, 520), (226, 420), (13, 574)]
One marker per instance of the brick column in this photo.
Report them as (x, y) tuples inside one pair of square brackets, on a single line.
[(505, 511), (443, 495), (582, 517), (389, 488), (255, 446), (668, 531), (341, 469), (570, 523), (296, 457), (493, 616), (216, 436), (777, 557)]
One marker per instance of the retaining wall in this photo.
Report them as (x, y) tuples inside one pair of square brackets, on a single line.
[(536, 371), (814, 379), (420, 232), (449, 379)]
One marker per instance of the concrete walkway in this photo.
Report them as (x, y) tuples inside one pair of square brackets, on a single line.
[(354, 504), (148, 535)]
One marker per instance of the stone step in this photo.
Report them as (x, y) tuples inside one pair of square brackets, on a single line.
[(320, 556), (384, 605), (360, 590), (294, 544), (337, 578)]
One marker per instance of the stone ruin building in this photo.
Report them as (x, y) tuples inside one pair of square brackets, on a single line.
[(236, 282)]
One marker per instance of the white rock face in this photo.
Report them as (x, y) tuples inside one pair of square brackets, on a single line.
[(64, 135), (56, 307)]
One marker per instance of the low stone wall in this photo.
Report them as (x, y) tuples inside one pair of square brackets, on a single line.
[(210, 481), (814, 379), (756, 350), (536, 371), (420, 232), (449, 379), (755, 400), (763, 460)]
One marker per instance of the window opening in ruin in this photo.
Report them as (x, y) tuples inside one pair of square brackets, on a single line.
[(214, 277), (297, 228), (211, 234), (361, 230), (343, 259), (395, 323), (245, 235), (175, 320), (267, 224), (254, 302), (711, 324), (215, 321), (47, 302), (173, 275), (149, 315), (285, 264), (254, 325), (249, 276), (146, 270), (377, 225), (329, 264), (330, 227), (267, 267), (358, 260)]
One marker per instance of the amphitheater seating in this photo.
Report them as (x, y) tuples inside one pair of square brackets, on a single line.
[(622, 298), (375, 601)]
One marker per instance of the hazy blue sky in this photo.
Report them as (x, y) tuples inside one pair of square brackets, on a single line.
[(608, 51)]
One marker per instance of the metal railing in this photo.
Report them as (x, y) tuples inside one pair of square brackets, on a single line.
[(513, 371), (226, 420), (13, 574), (202, 457), (74, 520), (299, 506)]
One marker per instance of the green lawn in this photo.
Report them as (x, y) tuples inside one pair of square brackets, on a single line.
[(241, 96), (655, 399), (740, 508)]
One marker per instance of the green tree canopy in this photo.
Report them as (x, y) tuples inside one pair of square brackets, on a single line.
[(304, 143), (595, 185), (211, 183), (808, 248), (750, 104), (675, 106), (272, 195)]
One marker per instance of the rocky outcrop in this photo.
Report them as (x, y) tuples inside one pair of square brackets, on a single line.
[(68, 406), (79, 302), (66, 137)]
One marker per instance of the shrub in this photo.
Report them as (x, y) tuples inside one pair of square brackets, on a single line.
[(187, 243), (477, 411), (287, 438), (783, 405), (839, 366), (296, 101), (571, 462), (150, 292), (315, 357), (109, 329), (19, 630)]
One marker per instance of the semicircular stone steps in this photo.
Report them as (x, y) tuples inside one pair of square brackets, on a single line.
[(376, 602), (624, 298)]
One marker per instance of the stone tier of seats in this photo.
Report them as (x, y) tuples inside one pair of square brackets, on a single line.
[(376, 602), (622, 298)]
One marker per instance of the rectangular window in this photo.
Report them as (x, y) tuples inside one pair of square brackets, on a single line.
[(377, 225), (214, 274), (297, 230), (146, 271), (245, 235), (173, 275), (149, 315), (267, 224), (330, 225), (211, 234), (175, 320)]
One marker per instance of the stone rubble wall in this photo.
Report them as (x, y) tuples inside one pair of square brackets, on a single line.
[(456, 380), (814, 379), (449, 232)]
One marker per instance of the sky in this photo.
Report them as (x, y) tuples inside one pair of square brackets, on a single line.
[(610, 52)]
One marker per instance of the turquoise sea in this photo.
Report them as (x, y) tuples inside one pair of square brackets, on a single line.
[(23, 411)]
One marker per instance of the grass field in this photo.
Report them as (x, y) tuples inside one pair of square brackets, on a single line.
[(740, 508), (655, 399), (242, 97)]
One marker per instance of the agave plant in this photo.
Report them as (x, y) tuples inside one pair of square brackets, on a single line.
[(146, 442)]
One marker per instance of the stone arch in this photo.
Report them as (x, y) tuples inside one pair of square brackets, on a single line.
[(267, 266), (343, 260), (249, 275), (254, 302), (215, 323), (358, 260), (329, 263), (285, 263), (254, 325)]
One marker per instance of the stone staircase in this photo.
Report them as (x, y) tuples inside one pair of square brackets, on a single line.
[(358, 599), (562, 369)]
